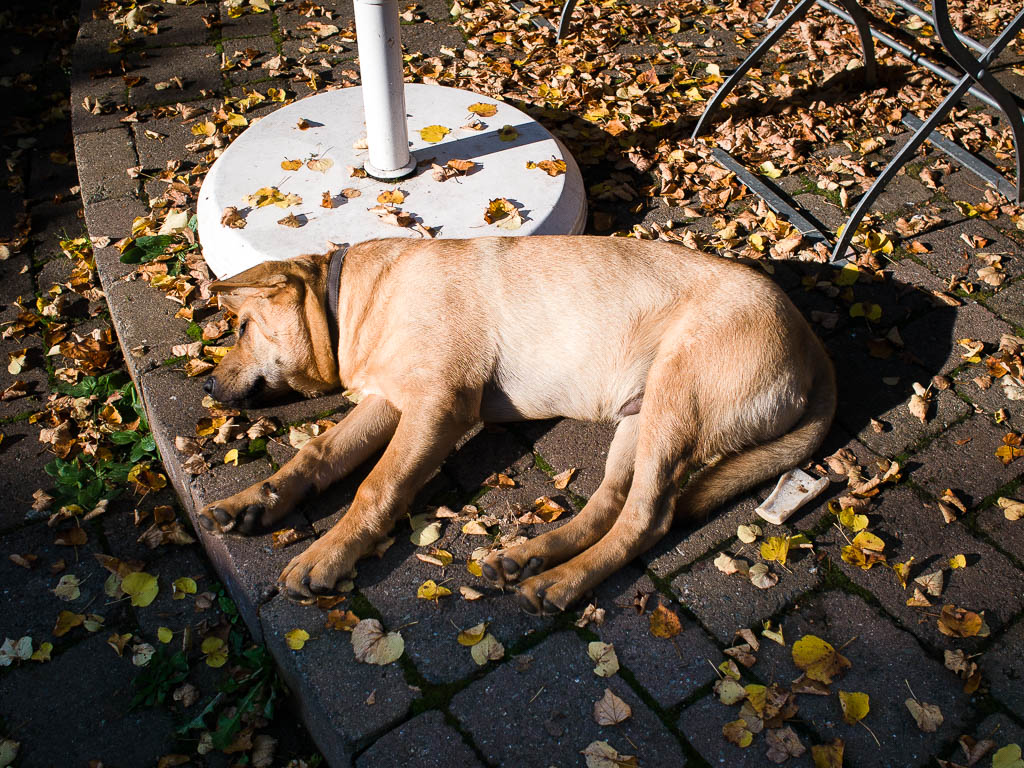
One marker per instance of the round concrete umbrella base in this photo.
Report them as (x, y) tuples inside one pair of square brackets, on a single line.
[(329, 198)]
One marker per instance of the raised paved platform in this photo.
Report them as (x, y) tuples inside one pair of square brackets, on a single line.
[(534, 706)]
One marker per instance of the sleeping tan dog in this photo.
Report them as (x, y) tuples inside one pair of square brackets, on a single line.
[(703, 364)]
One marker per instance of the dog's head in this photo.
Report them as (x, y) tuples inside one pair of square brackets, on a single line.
[(284, 342)]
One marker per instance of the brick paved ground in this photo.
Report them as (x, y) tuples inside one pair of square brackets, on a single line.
[(436, 706)]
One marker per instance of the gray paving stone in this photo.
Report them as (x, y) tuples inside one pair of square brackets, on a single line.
[(425, 741), (145, 323), (998, 728), (1008, 303), (882, 657), (110, 734), (198, 67), (27, 602), (336, 690), (670, 670), (579, 444), (113, 219), (489, 450), (539, 712), (249, 25), (1003, 667), (1008, 535), (964, 459), (929, 339), (902, 195), (111, 95), (154, 154), (390, 583), (181, 24), (989, 583), (725, 604), (687, 540), (102, 158), (989, 401), (950, 255)]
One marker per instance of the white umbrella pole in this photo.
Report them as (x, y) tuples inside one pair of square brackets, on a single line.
[(380, 67)]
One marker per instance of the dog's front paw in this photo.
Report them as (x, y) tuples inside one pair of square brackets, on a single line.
[(507, 566), (316, 571), (246, 512)]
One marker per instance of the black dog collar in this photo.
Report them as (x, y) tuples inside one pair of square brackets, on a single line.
[(333, 286)]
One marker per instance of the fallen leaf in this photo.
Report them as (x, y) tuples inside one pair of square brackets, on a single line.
[(855, 706), (473, 635), (215, 651), (737, 733), (504, 213), (783, 744), (483, 109), (431, 590), (761, 577), (818, 659), (610, 709), (372, 646), (391, 196), (1012, 509), (291, 220), (828, 755), (957, 561), (291, 165), (320, 164), (664, 622), (488, 649), (600, 754), (550, 167), (142, 587), (432, 134), (730, 565), (1008, 757), (603, 655), (927, 716), (66, 621), (296, 639), (341, 620), (562, 479), (426, 535), (748, 534), (958, 622)]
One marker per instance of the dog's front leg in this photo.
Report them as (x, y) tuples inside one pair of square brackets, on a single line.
[(421, 442), (320, 462)]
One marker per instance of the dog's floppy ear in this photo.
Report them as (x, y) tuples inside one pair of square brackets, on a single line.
[(253, 282)]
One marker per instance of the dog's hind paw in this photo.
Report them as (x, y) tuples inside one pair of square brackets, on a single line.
[(539, 596)]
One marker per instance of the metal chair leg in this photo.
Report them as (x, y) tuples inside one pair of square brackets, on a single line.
[(755, 55), (979, 72), (867, 44), (564, 18)]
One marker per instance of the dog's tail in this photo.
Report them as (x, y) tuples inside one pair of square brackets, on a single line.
[(740, 471)]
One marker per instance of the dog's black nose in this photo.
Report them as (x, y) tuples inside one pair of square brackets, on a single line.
[(209, 385)]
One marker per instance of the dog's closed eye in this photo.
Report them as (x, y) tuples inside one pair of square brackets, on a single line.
[(242, 328)]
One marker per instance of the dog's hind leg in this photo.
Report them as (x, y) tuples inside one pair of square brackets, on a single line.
[(582, 531), (667, 434), (325, 459)]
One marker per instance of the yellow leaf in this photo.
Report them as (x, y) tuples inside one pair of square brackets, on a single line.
[(66, 621), (775, 548), (958, 622), (848, 518), (164, 634), (868, 541), (291, 165), (664, 622), (828, 755), (504, 213), (391, 196), (958, 561), (475, 528), (508, 133), (142, 587), (434, 133), (768, 169), (296, 639), (855, 706), (603, 655), (474, 568), (184, 586), (848, 275), (550, 167), (473, 635), (483, 109), (818, 659), (216, 652), (42, 653), (431, 590), (737, 733), (231, 457)]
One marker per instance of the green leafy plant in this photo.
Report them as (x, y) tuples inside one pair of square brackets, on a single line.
[(155, 680)]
